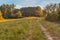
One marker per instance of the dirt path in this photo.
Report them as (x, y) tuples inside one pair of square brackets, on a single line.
[(30, 35), (30, 32), (46, 32)]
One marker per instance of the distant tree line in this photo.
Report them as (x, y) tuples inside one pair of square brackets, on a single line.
[(32, 11), (9, 11), (51, 12)]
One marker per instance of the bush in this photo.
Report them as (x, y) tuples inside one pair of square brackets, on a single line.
[(19, 14), (52, 17)]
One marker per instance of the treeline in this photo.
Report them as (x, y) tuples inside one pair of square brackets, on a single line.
[(53, 12), (9, 11), (32, 11)]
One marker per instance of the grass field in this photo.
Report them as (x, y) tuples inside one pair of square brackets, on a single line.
[(53, 27), (18, 29)]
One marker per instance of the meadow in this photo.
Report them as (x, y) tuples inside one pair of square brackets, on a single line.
[(18, 29)]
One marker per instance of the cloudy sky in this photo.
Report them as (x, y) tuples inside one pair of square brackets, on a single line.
[(24, 3)]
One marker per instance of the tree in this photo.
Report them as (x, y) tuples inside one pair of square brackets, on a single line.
[(39, 11), (53, 11), (7, 10), (11, 10), (1, 18), (19, 14)]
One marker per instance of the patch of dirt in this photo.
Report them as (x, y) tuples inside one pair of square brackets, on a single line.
[(30, 32), (47, 33)]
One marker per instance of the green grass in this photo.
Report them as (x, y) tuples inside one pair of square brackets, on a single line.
[(18, 30), (54, 28)]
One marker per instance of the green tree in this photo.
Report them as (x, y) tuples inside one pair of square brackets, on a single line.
[(7, 10), (52, 11)]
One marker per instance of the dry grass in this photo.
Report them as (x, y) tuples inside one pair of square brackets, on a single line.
[(2, 20), (18, 29)]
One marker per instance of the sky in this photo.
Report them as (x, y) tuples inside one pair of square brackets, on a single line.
[(27, 3)]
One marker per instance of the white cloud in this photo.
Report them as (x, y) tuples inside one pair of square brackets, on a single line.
[(26, 3), (29, 2)]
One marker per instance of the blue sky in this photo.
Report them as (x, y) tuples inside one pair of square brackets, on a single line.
[(25, 3)]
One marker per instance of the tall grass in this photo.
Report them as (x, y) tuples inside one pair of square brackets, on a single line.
[(54, 28), (19, 29)]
